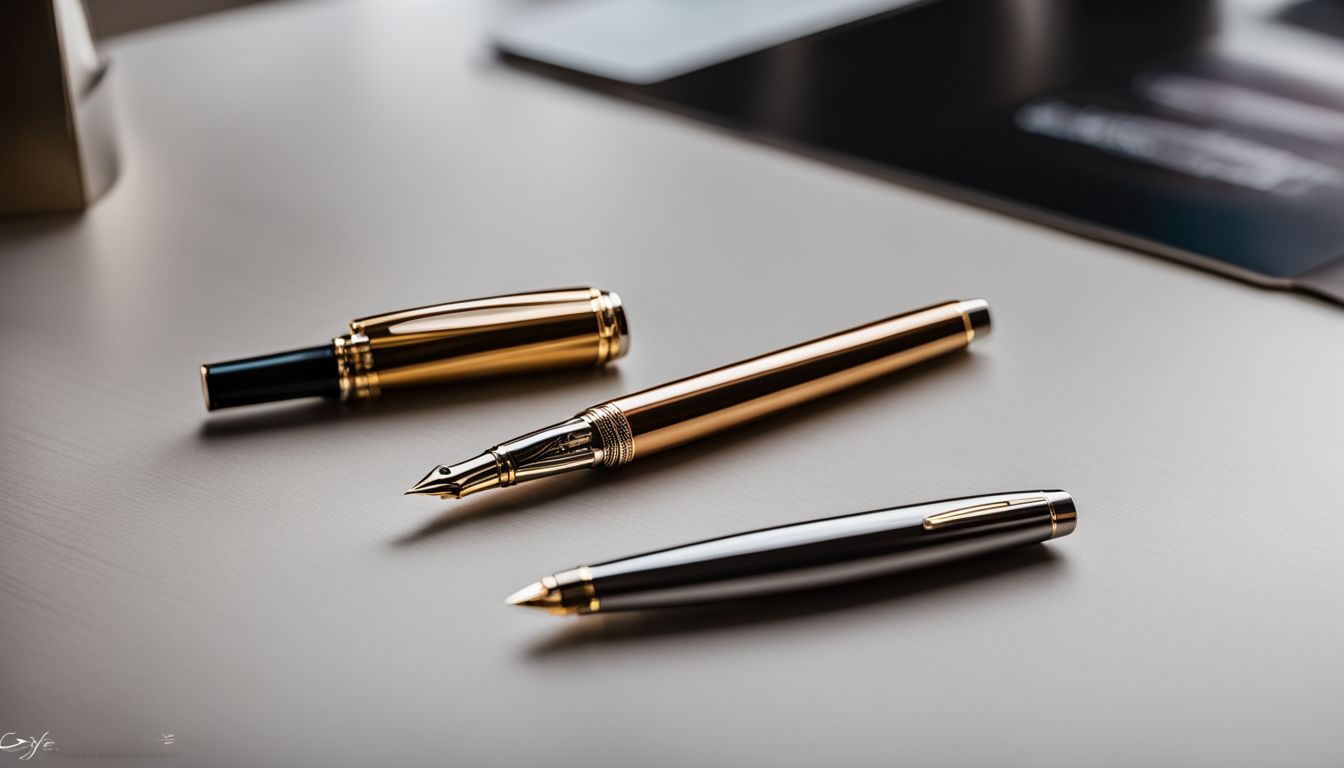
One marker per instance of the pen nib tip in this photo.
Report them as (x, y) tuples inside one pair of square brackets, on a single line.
[(436, 483), (537, 595), (458, 480)]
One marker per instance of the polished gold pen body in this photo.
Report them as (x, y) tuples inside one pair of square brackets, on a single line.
[(633, 426)]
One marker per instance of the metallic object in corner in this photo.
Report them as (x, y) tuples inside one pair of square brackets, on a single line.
[(57, 148)]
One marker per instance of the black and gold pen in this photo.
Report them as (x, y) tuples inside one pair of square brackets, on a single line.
[(438, 344), (806, 555), (619, 431)]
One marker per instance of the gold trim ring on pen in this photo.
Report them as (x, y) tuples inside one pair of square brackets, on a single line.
[(613, 429), (354, 367), (589, 590), (613, 338), (970, 328)]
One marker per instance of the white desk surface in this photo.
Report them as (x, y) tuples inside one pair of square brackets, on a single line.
[(254, 583)]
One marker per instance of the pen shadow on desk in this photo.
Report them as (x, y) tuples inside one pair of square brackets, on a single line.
[(491, 504), (1034, 564), (409, 403)]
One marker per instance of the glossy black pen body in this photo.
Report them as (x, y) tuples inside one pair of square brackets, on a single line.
[(807, 555)]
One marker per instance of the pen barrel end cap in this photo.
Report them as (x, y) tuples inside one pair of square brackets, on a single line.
[(614, 329), (1063, 513), (976, 312)]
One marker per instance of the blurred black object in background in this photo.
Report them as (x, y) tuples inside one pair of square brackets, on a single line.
[(1324, 16), (1145, 123)]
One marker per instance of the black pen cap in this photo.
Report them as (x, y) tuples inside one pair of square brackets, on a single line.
[(311, 372)]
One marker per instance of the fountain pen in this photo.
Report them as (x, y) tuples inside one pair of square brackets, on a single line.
[(806, 555), (619, 431)]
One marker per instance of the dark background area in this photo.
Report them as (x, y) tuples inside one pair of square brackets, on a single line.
[(116, 17)]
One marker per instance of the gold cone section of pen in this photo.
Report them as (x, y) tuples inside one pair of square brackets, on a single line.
[(437, 483), (538, 595), (475, 474)]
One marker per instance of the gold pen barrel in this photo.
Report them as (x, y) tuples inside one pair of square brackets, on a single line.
[(479, 338), (616, 432), (698, 406)]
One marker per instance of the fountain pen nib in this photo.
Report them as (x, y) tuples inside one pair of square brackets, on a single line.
[(439, 482), (455, 481)]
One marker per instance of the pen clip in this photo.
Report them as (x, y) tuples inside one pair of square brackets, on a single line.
[(978, 513)]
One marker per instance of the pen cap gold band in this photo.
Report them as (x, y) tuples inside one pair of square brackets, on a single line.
[(479, 338)]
